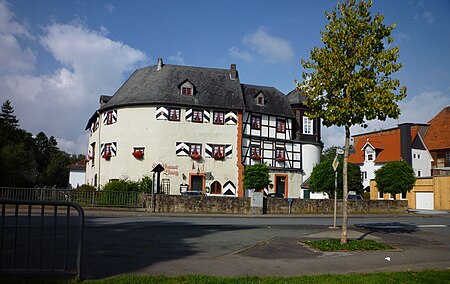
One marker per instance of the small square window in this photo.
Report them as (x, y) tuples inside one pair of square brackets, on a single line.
[(403, 195), (186, 91), (380, 195), (174, 114), (418, 156), (195, 149), (280, 155), (255, 151), (197, 116), (219, 151), (218, 117), (256, 122), (370, 157)]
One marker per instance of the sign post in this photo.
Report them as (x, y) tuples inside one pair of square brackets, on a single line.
[(335, 166)]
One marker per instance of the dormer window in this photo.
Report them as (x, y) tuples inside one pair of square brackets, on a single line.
[(186, 88), (370, 154), (260, 99)]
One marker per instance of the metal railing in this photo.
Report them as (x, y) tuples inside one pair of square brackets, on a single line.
[(91, 198), (41, 236)]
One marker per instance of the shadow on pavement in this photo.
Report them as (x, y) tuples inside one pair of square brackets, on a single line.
[(387, 228), (112, 249)]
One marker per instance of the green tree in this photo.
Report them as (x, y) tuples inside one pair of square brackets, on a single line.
[(349, 81), (7, 116), (256, 176), (395, 177), (18, 166), (322, 178)]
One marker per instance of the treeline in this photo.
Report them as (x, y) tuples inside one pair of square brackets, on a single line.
[(27, 161)]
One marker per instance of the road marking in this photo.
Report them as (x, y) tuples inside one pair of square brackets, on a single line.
[(432, 226)]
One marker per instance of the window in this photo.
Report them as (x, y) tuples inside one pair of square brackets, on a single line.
[(418, 156), (369, 157), (403, 195), (216, 187), (279, 155), (92, 157), (138, 152), (186, 91), (307, 125), (218, 117), (174, 114), (363, 175), (380, 195), (197, 116), (281, 125), (419, 173), (256, 122), (195, 149), (109, 118), (255, 151), (219, 151)]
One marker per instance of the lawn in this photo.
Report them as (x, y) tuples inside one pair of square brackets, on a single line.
[(428, 277), (351, 245)]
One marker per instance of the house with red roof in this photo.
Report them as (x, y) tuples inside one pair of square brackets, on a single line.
[(405, 142), (437, 139)]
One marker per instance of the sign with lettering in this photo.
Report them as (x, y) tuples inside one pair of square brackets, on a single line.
[(169, 170)]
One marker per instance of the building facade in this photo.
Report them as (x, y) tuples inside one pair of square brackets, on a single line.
[(202, 125)]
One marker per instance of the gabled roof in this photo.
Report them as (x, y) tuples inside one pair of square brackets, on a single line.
[(276, 103), (214, 88), (296, 97), (386, 143), (79, 165), (438, 133)]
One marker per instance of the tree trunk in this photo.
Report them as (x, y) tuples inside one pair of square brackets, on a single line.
[(345, 189)]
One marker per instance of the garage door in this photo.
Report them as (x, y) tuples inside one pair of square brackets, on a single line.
[(424, 200)]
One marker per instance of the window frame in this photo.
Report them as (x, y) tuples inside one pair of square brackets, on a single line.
[(281, 125), (177, 113), (109, 117), (220, 115), (187, 91), (195, 146), (255, 150), (256, 122), (214, 187), (308, 126), (197, 116), (280, 153)]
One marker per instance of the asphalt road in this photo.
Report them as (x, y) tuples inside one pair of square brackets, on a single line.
[(141, 243)]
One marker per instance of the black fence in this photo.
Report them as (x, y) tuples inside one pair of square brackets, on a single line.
[(86, 198), (41, 236)]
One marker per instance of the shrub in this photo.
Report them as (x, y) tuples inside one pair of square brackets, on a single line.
[(86, 187)]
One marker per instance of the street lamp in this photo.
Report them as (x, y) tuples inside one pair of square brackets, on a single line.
[(335, 166)]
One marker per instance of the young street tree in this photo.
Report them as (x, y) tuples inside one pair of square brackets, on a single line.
[(350, 81), (395, 177), (256, 177)]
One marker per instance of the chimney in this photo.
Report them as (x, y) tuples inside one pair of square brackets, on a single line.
[(405, 142), (233, 72), (160, 64)]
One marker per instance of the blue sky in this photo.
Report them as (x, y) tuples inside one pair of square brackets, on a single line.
[(58, 57)]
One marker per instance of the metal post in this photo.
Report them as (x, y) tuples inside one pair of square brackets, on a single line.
[(335, 199)]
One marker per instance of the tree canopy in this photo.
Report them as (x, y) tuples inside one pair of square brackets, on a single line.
[(395, 177), (256, 176), (322, 178), (348, 80)]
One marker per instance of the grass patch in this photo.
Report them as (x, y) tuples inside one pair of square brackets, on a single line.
[(352, 245), (427, 276)]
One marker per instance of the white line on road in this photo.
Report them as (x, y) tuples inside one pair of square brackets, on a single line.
[(432, 226)]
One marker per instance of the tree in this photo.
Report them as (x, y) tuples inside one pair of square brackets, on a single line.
[(7, 116), (349, 82), (395, 177), (322, 178), (256, 177), (18, 166)]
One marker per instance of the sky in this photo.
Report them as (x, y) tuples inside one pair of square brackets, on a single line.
[(58, 57)]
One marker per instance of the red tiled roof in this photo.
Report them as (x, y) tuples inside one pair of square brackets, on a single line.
[(79, 165), (386, 143), (438, 133)]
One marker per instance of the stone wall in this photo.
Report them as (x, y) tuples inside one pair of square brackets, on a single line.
[(232, 205)]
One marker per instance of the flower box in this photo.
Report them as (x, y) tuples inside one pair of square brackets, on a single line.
[(281, 159), (107, 156), (256, 157), (138, 154), (196, 156), (218, 156)]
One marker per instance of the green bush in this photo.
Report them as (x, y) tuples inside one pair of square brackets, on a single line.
[(145, 184), (121, 185), (86, 187)]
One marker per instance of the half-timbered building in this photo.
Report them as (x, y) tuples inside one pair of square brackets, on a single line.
[(202, 125)]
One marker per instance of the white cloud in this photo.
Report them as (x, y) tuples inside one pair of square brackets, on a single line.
[(60, 103), (13, 58), (268, 47), (177, 59), (109, 8), (420, 14), (239, 54)]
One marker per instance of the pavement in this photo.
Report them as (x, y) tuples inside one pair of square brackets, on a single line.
[(261, 250)]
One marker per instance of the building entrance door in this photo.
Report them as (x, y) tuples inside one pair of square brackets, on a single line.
[(197, 182), (281, 184)]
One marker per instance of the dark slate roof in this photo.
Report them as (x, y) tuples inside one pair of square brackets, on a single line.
[(276, 102), (296, 97), (213, 88)]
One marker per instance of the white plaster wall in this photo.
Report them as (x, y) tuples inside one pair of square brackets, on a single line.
[(294, 182), (138, 127), (422, 164), (310, 158), (77, 178), (370, 167)]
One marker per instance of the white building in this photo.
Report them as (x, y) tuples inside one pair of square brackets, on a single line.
[(202, 125)]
